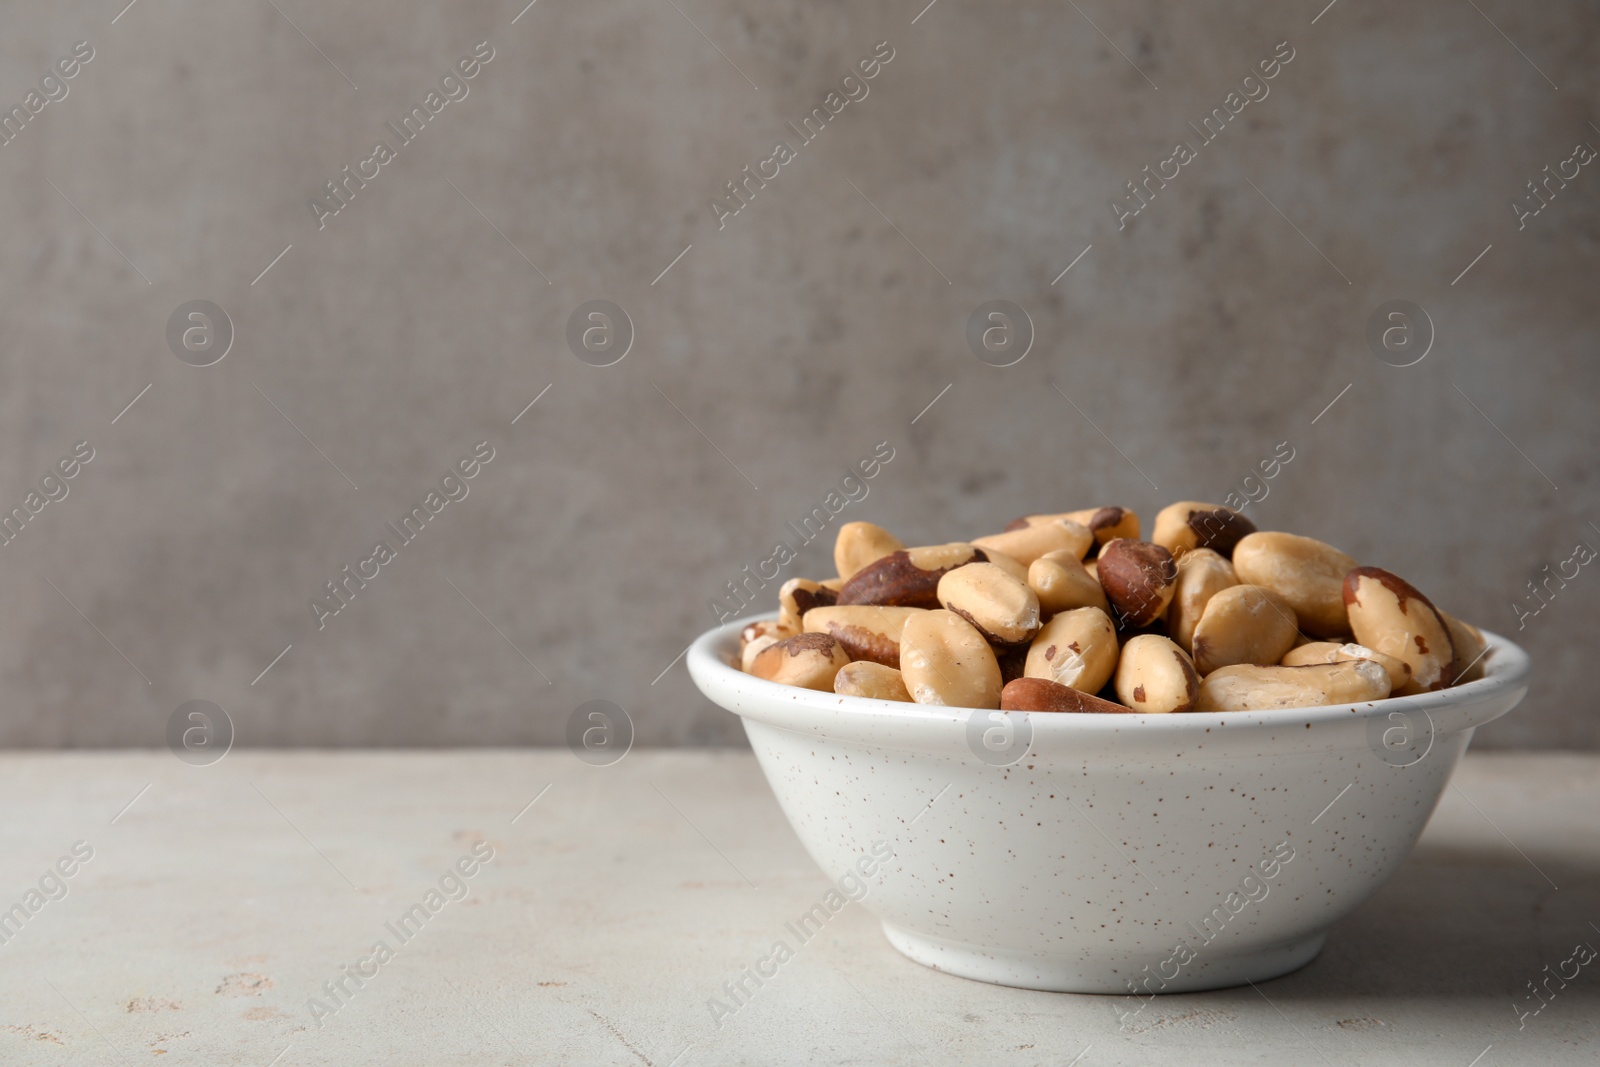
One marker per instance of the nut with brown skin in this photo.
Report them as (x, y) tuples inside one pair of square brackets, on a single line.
[(866, 631), (871, 680), (798, 596), (1192, 524), (861, 543), (1247, 687), (1002, 608), (1062, 583), (1077, 648), (809, 661), (1302, 570), (1041, 694), (1389, 615), (945, 660), (1155, 677), (908, 578), (1333, 652), (1108, 524), (1243, 624), (1202, 574), (1139, 578), (1030, 542)]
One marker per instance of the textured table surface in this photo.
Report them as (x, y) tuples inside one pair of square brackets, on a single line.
[(219, 902)]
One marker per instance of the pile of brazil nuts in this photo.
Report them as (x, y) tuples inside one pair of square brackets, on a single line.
[(1074, 612)]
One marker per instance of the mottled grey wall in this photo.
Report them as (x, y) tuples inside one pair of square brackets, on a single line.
[(817, 322)]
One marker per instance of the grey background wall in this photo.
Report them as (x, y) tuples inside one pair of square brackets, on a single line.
[(779, 349)]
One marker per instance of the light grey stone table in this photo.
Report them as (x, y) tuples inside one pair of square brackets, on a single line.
[(220, 902)]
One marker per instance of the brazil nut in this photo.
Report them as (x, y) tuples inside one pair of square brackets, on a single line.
[(1398, 670), (1077, 648), (1302, 570), (1191, 524), (1389, 615), (908, 577), (1247, 687), (1243, 624), (1007, 564), (1002, 608), (1041, 694), (866, 631), (861, 543), (1155, 677), (945, 660), (756, 637), (808, 661), (1108, 524), (871, 680), (1062, 582), (1026, 544), (1139, 578), (798, 596), (1202, 574)]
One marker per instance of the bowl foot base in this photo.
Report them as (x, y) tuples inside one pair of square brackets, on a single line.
[(1213, 968)]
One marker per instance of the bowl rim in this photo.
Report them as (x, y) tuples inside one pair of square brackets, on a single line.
[(1462, 706)]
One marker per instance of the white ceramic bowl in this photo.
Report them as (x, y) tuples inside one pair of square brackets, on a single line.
[(1115, 853)]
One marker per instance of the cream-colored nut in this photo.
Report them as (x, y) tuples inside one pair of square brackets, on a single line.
[(861, 543), (832, 584), (757, 636), (1093, 567), (809, 661), (1302, 570), (798, 596), (1155, 677), (1007, 564), (1077, 648), (1041, 694), (867, 631), (764, 628), (945, 660), (1192, 524), (1062, 583), (1030, 542), (754, 647), (1039, 520), (1469, 644), (1247, 687), (1202, 574), (1243, 624), (1388, 615), (1333, 652), (1002, 607), (908, 578), (871, 680), (1139, 578), (1108, 524)]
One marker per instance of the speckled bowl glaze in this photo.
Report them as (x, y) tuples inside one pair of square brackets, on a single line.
[(1119, 853)]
